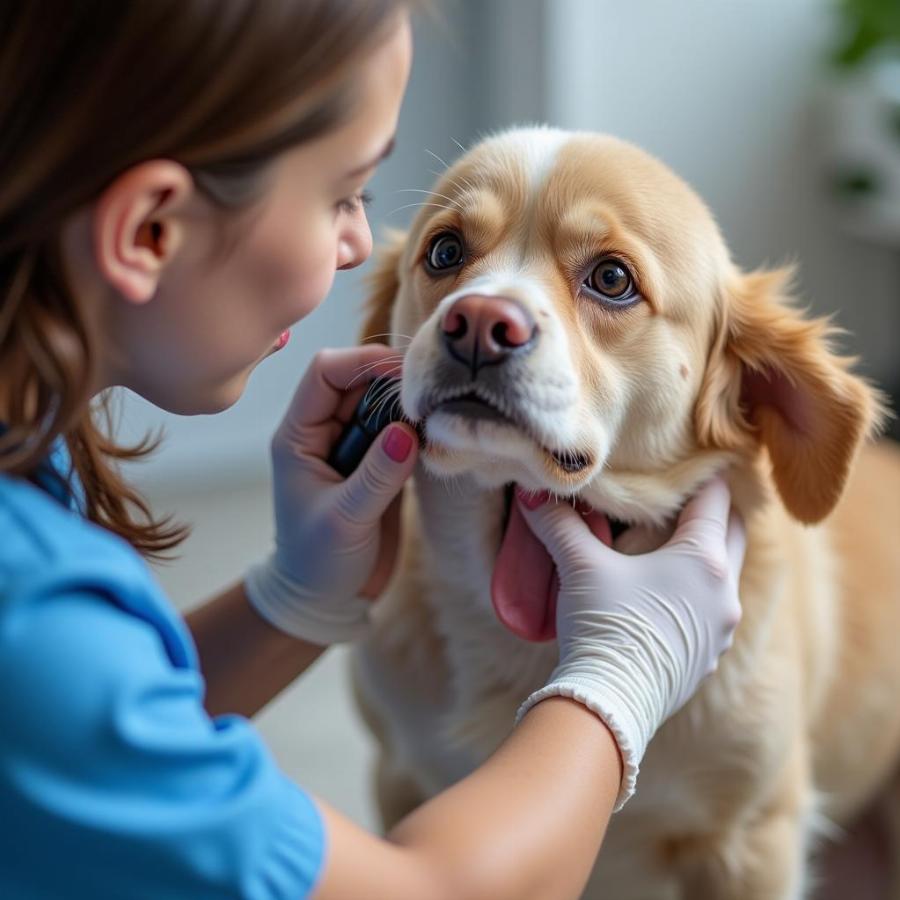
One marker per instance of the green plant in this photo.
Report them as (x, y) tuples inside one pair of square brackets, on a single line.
[(869, 24)]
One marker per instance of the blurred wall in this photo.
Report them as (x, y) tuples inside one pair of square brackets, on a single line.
[(724, 92)]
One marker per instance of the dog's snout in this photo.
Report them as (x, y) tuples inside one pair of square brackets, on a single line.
[(480, 331)]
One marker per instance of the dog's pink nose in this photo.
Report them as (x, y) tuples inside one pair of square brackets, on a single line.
[(480, 331)]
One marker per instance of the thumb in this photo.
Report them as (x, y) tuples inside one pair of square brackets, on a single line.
[(559, 527), (379, 478)]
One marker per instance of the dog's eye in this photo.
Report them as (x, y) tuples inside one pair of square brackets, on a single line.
[(611, 279), (444, 252)]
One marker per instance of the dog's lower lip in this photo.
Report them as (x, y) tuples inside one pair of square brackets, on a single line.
[(570, 462)]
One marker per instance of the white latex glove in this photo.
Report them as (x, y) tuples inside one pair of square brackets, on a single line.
[(336, 540), (637, 634)]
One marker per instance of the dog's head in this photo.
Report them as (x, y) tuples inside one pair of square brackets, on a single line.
[(577, 325)]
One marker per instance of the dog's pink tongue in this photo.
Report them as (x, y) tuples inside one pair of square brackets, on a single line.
[(525, 584)]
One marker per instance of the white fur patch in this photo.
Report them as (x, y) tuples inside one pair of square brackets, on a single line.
[(536, 146)]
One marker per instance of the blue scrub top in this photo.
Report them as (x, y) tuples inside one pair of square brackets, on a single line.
[(114, 781)]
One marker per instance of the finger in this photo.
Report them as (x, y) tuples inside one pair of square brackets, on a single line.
[(582, 506), (319, 439), (389, 543), (379, 478), (705, 515), (598, 524), (736, 542), (558, 527), (332, 373)]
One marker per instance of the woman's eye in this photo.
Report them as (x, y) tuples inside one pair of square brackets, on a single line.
[(611, 279), (352, 204), (444, 252)]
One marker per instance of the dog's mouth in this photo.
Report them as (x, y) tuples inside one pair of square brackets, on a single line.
[(475, 406)]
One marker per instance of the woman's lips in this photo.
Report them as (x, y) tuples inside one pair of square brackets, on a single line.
[(279, 343)]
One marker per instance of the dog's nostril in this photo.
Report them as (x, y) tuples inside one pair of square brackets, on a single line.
[(507, 334), (455, 325)]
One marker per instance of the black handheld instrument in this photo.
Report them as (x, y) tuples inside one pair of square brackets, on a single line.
[(379, 407)]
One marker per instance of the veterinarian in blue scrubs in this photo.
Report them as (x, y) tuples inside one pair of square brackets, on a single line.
[(181, 179)]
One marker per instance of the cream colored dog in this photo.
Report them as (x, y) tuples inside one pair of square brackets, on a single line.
[(572, 321)]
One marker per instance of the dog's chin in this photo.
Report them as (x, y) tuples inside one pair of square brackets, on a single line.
[(466, 438), (497, 455)]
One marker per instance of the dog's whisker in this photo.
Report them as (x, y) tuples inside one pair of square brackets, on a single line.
[(452, 200), (423, 191), (443, 162), (389, 334), (411, 205), (389, 390), (460, 182), (366, 369), (385, 394), (390, 396), (398, 362)]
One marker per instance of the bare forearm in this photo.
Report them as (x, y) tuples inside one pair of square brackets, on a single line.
[(245, 661), (527, 824)]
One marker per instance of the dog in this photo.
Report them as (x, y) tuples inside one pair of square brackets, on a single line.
[(570, 320)]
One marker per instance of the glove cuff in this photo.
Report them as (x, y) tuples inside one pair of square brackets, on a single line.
[(286, 605), (629, 736)]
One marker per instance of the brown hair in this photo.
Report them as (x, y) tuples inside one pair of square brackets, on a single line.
[(94, 87)]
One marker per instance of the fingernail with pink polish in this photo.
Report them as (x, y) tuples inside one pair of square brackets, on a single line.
[(397, 444)]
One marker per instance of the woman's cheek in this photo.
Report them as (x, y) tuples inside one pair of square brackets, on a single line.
[(314, 279)]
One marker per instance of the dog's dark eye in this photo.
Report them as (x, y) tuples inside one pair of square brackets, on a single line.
[(612, 280), (444, 252)]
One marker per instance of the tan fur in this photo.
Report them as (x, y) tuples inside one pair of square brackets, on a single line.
[(382, 287), (712, 369)]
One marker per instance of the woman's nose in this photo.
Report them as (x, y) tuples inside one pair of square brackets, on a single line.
[(355, 243)]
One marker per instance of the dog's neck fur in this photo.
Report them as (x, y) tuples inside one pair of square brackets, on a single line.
[(461, 525)]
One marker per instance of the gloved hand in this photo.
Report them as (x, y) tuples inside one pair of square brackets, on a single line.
[(637, 634), (336, 540)]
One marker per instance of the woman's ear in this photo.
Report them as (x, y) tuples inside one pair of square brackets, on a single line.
[(136, 231), (773, 378), (384, 282)]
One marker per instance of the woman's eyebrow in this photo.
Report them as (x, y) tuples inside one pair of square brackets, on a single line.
[(386, 151)]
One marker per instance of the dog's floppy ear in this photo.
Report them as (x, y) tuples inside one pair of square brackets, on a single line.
[(383, 282), (773, 377)]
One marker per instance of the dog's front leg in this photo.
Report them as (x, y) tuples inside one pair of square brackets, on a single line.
[(765, 858)]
